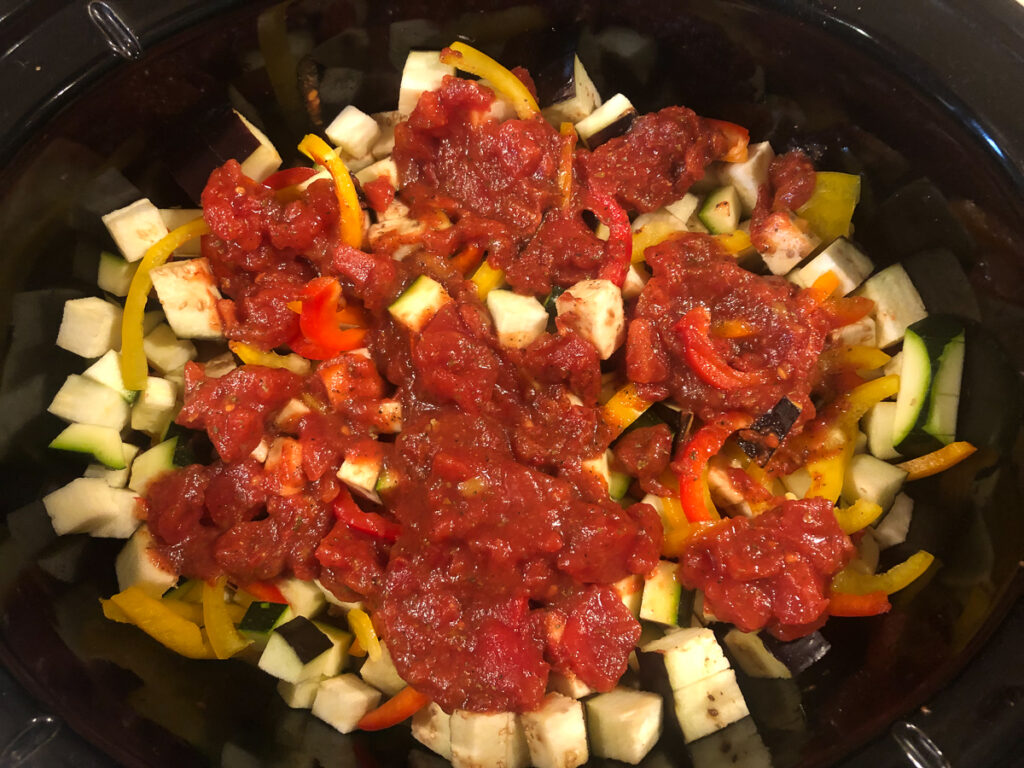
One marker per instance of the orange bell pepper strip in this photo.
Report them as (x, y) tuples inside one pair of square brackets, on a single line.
[(346, 510), (937, 461), (565, 162), (871, 604), (691, 462), (467, 259), (737, 137), (321, 320), (350, 213), (705, 360), (506, 84), (403, 705)]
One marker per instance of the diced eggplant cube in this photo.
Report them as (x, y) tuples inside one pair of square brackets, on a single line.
[(300, 695), (353, 131), (386, 168), (481, 739), (771, 429), (419, 303), (342, 701), (873, 480), (188, 294), (176, 217), (135, 228), (749, 176), (613, 118), (787, 243), (800, 654), (265, 159), (261, 618), (89, 505), (556, 734), (681, 657), (138, 566), (569, 685), (593, 308), (296, 651), (152, 463), (305, 598), (895, 526), (843, 259), (750, 654), (624, 724), (636, 281), (860, 333), (709, 704), (381, 673), (90, 327), (385, 143), (165, 351), (518, 320), (738, 746), (578, 99), (107, 371), (432, 727), (897, 303), (878, 424), (423, 71)]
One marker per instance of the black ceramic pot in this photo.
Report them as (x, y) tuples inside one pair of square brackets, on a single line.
[(922, 98)]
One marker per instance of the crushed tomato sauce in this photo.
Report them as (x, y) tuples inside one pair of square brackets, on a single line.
[(492, 560)]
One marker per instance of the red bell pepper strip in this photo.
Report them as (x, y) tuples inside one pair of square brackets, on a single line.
[(403, 705), (264, 591), (288, 177), (692, 459), (321, 320), (846, 604), (738, 139), (346, 510), (619, 248), (704, 359)]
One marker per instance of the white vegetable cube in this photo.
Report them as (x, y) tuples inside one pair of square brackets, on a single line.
[(156, 407), (300, 695), (518, 319), (860, 333), (897, 303), (107, 371), (177, 217), (342, 701), (788, 243), (690, 654), (135, 228), (494, 740), (115, 274), (843, 259), (90, 327), (752, 657), (895, 525), (374, 171), (423, 71), (610, 112), (385, 143), (419, 303), (878, 424), (748, 176), (584, 100), (389, 416), (568, 685), (115, 478), (599, 468), (624, 724), (89, 505), (684, 208), (137, 566), (873, 480), (708, 705), (556, 734), (265, 159), (593, 308), (85, 401), (165, 351), (432, 727), (381, 673), (353, 131), (636, 281), (188, 294), (360, 473), (305, 597), (738, 746)]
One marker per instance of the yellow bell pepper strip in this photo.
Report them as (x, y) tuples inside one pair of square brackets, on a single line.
[(224, 638), (937, 461), (134, 369), (162, 624), (857, 357), (737, 242), (691, 463), (191, 611), (623, 408), (854, 404), (361, 626), (858, 515), (896, 578), (871, 604), (829, 211), (355, 649), (113, 613), (827, 474), (505, 84), (250, 355), (650, 234), (565, 162), (403, 705), (350, 214), (487, 278)]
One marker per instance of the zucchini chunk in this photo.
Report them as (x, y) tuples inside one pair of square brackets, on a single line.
[(188, 294), (261, 618), (419, 303), (104, 443), (721, 211), (149, 465), (381, 673), (135, 228), (89, 505), (115, 274), (752, 656), (518, 320), (115, 478), (107, 371), (897, 303), (662, 591), (300, 695), (353, 131), (165, 351), (873, 480), (575, 99), (593, 308), (156, 407), (84, 401)]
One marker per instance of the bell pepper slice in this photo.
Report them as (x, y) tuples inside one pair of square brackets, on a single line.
[(691, 463), (321, 320), (829, 211), (896, 578), (250, 355), (565, 161), (623, 408), (737, 242), (857, 516), (852, 406), (264, 591), (288, 177), (705, 360), (350, 214), (163, 624), (506, 84), (651, 234), (134, 368), (468, 259), (937, 461), (355, 649), (191, 611), (733, 329), (871, 604), (827, 474), (487, 278), (224, 638), (403, 705), (822, 287), (619, 247), (859, 358), (346, 510), (361, 626), (738, 139)]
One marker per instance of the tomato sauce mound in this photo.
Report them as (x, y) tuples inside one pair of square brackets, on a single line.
[(771, 571), (759, 326)]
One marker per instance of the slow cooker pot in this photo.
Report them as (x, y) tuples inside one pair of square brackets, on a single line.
[(922, 99)]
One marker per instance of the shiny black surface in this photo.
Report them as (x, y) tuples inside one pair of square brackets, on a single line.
[(921, 80)]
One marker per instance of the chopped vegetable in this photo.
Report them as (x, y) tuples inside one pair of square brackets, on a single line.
[(506, 84), (487, 278), (163, 624), (937, 461), (704, 358), (896, 578), (250, 355), (871, 604), (690, 464), (350, 214), (224, 638), (830, 209), (361, 626), (403, 705)]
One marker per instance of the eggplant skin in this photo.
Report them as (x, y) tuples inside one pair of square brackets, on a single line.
[(618, 127), (304, 638), (770, 430)]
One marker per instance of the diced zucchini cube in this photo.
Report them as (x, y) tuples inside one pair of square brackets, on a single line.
[(90, 327), (115, 273), (878, 424), (360, 472), (419, 303), (135, 228), (107, 371), (895, 526), (748, 177), (342, 701), (89, 505), (138, 566), (721, 211), (374, 171), (115, 478), (150, 464), (661, 594), (265, 159), (104, 443), (873, 480)]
